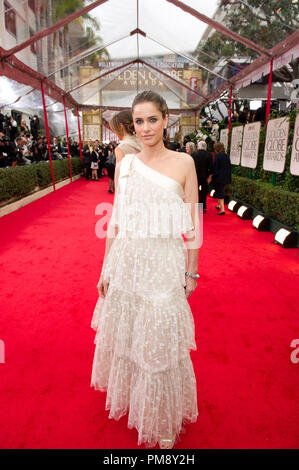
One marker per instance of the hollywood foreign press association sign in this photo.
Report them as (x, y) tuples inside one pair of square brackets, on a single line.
[(91, 132), (250, 145), (294, 166), (276, 145), (224, 138), (236, 144)]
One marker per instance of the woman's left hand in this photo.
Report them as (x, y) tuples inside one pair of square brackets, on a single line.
[(191, 285)]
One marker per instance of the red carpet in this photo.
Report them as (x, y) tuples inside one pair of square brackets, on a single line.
[(245, 311)]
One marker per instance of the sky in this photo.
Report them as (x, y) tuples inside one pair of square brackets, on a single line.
[(159, 19)]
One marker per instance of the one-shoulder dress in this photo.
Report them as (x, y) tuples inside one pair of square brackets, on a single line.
[(144, 325)]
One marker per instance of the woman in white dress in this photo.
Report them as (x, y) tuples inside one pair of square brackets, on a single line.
[(144, 324), (122, 125)]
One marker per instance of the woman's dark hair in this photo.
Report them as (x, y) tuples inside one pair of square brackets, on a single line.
[(125, 118), (219, 147), (158, 100)]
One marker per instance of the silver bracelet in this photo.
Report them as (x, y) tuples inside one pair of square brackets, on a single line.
[(194, 276)]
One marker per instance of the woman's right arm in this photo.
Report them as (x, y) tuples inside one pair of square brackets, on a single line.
[(103, 283), (109, 240)]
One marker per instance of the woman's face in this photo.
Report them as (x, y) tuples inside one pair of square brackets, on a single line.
[(188, 149), (149, 123)]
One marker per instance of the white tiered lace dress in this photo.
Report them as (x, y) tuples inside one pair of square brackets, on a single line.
[(144, 326)]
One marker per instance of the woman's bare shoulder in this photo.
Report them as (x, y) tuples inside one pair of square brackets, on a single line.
[(182, 165), (182, 160), (119, 154), (118, 149)]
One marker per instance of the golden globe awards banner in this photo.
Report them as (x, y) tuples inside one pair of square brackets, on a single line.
[(236, 143), (276, 144), (250, 145), (294, 166), (224, 137), (91, 132)]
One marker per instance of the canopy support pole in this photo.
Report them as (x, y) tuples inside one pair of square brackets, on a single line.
[(79, 132), (273, 175), (67, 139), (230, 112), (269, 94), (48, 134)]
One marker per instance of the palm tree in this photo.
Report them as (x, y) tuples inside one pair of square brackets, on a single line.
[(91, 26)]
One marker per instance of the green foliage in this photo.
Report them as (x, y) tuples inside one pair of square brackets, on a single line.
[(273, 201), (266, 23), (63, 8), (16, 181), (284, 180), (254, 187), (20, 181)]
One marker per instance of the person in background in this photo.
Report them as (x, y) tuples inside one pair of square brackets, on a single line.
[(45, 148), (110, 166), (4, 157), (39, 152), (244, 115), (56, 149), (97, 143), (105, 156), (251, 115), (76, 149), (203, 164), (34, 126), (29, 139), (122, 125), (13, 129), (235, 116), (24, 127), (183, 148), (20, 152), (94, 163), (260, 113), (221, 174), (102, 160), (190, 148), (110, 149), (27, 148), (87, 151), (2, 122)]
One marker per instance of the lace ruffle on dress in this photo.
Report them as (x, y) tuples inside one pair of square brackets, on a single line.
[(144, 326)]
